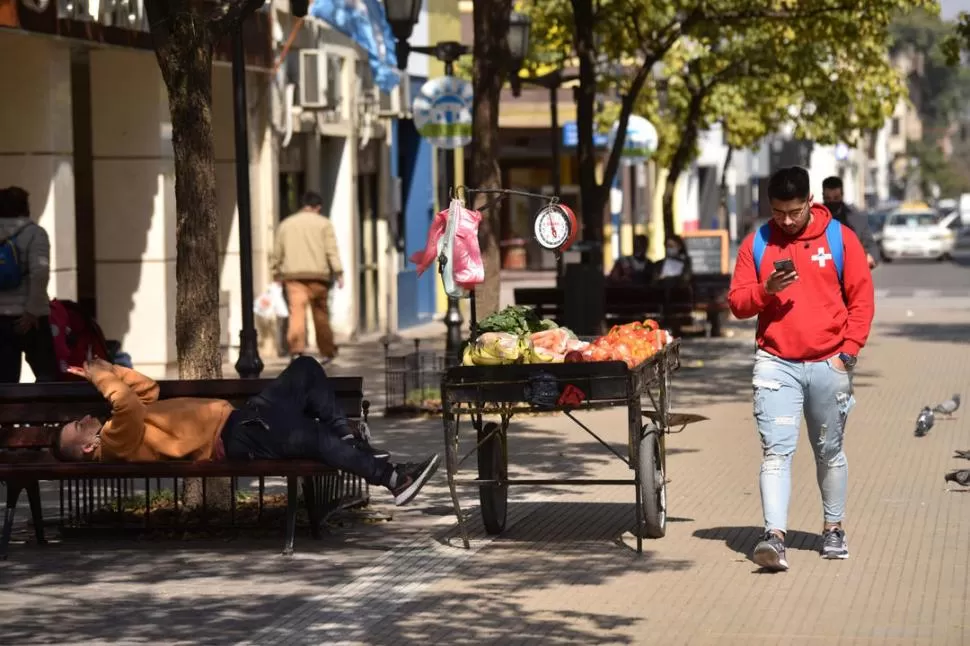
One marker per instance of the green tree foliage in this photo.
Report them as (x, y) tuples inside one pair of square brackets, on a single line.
[(743, 63), (940, 90)]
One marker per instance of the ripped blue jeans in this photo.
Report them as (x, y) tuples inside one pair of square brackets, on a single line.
[(782, 391)]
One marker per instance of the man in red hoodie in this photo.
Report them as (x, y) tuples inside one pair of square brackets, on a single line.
[(806, 277)]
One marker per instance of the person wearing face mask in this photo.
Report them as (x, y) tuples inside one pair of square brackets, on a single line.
[(676, 264), (832, 196)]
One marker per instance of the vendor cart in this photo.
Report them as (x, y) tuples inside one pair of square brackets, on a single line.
[(471, 393)]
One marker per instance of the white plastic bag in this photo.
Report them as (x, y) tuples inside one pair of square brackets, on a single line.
[(271, 303)]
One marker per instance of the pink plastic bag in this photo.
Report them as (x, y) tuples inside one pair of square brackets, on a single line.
[(464, 268)]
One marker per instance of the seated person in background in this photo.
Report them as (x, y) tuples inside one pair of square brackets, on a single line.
[(295, 418), (676, 264), (636, 268)]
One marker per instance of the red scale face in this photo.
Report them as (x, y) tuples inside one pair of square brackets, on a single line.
[(555, 227)]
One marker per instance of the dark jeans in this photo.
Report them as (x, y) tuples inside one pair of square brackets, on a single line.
[(297, 418), (38, 346)]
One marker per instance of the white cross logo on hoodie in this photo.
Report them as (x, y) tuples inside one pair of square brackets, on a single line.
[(821, 257)]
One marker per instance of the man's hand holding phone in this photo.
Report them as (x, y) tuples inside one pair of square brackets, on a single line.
[(783, 276)]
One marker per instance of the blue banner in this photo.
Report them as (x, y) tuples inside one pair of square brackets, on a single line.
[(364, 21)]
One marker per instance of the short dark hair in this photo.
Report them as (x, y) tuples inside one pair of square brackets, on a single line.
[(311, 200), (14, 202), (832, 183), (790, 183)]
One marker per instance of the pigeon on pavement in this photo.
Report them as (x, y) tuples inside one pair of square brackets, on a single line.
[(948, 407), (924, 422), (960, 477), (962, 454)]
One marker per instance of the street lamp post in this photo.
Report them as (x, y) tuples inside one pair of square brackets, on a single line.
[(249, 365), (402, 16)]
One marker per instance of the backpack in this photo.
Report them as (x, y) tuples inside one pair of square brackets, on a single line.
[(833, 235), (77, 337), (12, 271)]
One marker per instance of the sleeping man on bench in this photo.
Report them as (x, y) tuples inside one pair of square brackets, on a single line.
[(295, 418)]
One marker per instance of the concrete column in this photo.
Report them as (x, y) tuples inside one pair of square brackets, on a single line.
[(134, 197), (36, 143)]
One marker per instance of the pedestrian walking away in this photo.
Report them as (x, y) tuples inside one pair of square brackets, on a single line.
[(25, 330), (295, 418), (306, 259), (806, 277)]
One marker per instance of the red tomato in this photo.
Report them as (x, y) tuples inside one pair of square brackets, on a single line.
[(573, 356)]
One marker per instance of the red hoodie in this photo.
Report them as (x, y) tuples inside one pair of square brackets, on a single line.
[(809, 320)]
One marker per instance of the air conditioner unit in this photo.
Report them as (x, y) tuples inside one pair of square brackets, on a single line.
[(321, 77), (394, 104)]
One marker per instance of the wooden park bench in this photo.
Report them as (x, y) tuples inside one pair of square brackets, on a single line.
[(31, 414), (670, 305)]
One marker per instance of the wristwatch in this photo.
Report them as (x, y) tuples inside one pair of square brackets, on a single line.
[(849, 360)]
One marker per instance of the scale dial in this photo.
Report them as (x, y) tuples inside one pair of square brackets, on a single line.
[(555, 227)]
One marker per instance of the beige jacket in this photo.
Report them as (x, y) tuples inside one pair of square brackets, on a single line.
[(306, 249)]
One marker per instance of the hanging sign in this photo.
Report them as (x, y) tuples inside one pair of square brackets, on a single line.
[(443, 112)]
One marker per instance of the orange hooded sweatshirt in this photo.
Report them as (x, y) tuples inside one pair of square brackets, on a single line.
[(144, 429)]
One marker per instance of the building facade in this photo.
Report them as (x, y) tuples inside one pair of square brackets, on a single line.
[(86, 130)]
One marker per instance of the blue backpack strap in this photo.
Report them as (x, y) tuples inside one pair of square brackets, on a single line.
[(758, 245), (833, 234)]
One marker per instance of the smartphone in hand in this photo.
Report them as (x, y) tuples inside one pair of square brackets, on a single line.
[(786, 266)]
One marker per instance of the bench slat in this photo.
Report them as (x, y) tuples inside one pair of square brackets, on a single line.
[(48, 468), (57, 403)]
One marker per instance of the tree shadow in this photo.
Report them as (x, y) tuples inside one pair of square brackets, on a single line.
[(930, 332), (374, 591)]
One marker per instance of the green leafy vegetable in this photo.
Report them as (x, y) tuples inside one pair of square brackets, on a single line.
[(515, 319)]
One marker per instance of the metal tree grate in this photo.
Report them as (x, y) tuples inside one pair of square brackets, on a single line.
[(412, 381)]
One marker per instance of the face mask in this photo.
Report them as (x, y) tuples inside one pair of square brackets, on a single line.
[(834, 207)]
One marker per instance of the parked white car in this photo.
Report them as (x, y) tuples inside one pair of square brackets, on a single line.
[(918, 233)]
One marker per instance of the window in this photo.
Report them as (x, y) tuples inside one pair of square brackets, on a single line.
[(895, 126), (912, 220)]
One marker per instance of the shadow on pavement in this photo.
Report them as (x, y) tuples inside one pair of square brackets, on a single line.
[(743, 539), (932, 332)]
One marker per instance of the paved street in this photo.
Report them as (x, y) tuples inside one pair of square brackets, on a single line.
[(564, 572)]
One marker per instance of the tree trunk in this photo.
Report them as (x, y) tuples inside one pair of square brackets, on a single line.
[(725, 207), (682, 157), (491, 26), (591, 195), (184, 39)]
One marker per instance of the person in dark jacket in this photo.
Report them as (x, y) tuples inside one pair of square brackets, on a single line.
[(845, 214), (636, 269), (25, 307)]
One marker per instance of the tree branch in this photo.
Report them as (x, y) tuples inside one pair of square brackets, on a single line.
[(230, 13), (626, 109)]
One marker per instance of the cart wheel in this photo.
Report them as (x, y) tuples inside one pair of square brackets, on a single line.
[(493, 464), (653, 483)]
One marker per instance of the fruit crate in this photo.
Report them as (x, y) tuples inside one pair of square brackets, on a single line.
[(412, 381)]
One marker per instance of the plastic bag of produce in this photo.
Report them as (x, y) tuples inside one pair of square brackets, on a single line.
[(496, 348)]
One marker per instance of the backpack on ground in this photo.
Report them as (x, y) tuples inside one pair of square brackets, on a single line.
[(12, 269), (833, 235), (77, 337)]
